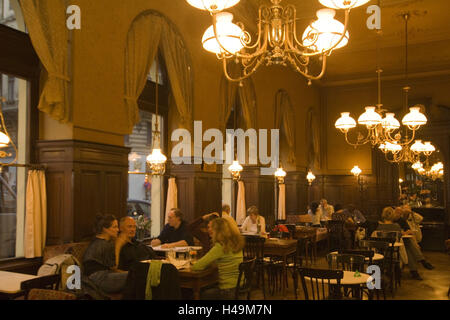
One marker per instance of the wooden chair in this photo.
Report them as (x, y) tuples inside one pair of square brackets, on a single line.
[(348, 262), (336, 239), (366, 253), (45, 282), (254, 249), (45, 294), (244, 283), (297, 262), (319, 283)]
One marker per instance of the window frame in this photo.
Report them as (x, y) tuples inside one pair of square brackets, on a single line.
[(19, 59)]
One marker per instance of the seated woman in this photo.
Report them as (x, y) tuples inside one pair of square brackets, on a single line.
[(254, 221), (341, 214), (389, 217), (315, 214), (227, 254), (99, 261)]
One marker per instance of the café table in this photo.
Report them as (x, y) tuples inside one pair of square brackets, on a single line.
[(376, 256), (196, 280), (280, 248), (10, 283)]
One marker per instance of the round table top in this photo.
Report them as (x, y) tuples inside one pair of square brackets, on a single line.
[(376, 256), (350, 279)]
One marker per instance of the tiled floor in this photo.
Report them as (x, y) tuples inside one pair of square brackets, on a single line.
[(434, 286)]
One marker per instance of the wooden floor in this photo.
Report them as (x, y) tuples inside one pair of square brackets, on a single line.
[(434, 286)]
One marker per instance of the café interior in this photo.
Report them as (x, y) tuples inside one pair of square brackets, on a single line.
[(253, 148)]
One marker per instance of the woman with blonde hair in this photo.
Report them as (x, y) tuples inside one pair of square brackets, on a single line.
[(227, 254)]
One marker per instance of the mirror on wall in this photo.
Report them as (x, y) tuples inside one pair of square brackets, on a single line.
[(423, 182)]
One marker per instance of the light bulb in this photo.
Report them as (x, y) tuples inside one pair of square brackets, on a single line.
[(4, 140)]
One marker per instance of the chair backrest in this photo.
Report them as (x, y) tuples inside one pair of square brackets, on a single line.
[(45, 294), (391, 235), (366, 253), (46, 282), (245, 278), (335, 227), (346, 262), (254, 248), (319, 283)]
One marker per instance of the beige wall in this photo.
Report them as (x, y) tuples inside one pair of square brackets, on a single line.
[(341, 157), (98, 75)]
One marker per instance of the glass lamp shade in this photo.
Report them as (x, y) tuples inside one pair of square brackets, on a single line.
[(235, 169), (228, 33), (345, 122), (280, 174), (310, 177), (428, 148), (356, 171), (389, 123), (393, 147), (370, 118), (156, 157), (4, 140), (383, 148), (213, 5), (343, 4), (417, 165), (325, 32), (418, 147), (414, 119)]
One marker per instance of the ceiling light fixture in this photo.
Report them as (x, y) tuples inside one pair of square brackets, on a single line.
[(277, 41)]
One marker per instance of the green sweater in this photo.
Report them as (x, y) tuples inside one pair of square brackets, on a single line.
[(228, 264)]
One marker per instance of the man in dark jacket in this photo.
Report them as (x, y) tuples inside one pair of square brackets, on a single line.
[(175, 233)]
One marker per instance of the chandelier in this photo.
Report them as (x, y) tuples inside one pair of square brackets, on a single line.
[(5, 139), (277, 41), (157, 160), (434, 172)]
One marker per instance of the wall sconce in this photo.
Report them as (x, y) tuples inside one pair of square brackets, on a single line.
[(356, 171), (280, 174), (235, 170), (310, 177)]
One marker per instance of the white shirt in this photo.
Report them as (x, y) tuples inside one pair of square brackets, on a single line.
[(325, 214), (249, 226), (315, 217)]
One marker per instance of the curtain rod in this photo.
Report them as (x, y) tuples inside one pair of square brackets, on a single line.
[(31, 166)]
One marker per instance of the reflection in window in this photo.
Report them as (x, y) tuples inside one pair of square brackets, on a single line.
[(8, 15), (12, 180)]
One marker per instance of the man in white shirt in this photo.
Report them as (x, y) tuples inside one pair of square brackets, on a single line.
[(326, 210)]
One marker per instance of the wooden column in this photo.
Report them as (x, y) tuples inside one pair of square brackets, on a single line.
[(83, 179), (199, 188)]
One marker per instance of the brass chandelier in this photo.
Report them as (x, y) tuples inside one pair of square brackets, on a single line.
[(383, 129), (277, 42)]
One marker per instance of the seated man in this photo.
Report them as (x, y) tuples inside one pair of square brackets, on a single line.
[(128, 249), (326, 210), (175, 233), (226, 214)]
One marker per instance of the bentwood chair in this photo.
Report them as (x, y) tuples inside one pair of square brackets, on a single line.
[(245, 278), (336, 239), (317, 284), (297, 262), (348, 262), (254, 249)]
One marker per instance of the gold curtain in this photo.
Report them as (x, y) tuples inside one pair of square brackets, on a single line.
[(140, 52), (282, 202), (313, 139), (179, 71), (240, 204), (172, 195), (285, 121), (36, 214), (247, 95), (228, 92), (46, 24)]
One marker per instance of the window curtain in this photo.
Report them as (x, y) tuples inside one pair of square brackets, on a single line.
[(247, 95), (313, 139), (282, 202), (36, 214), (140, 52), (46, 23), (179, 71), (240, 204), (228, 92), (172, 194), (285, 121)]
